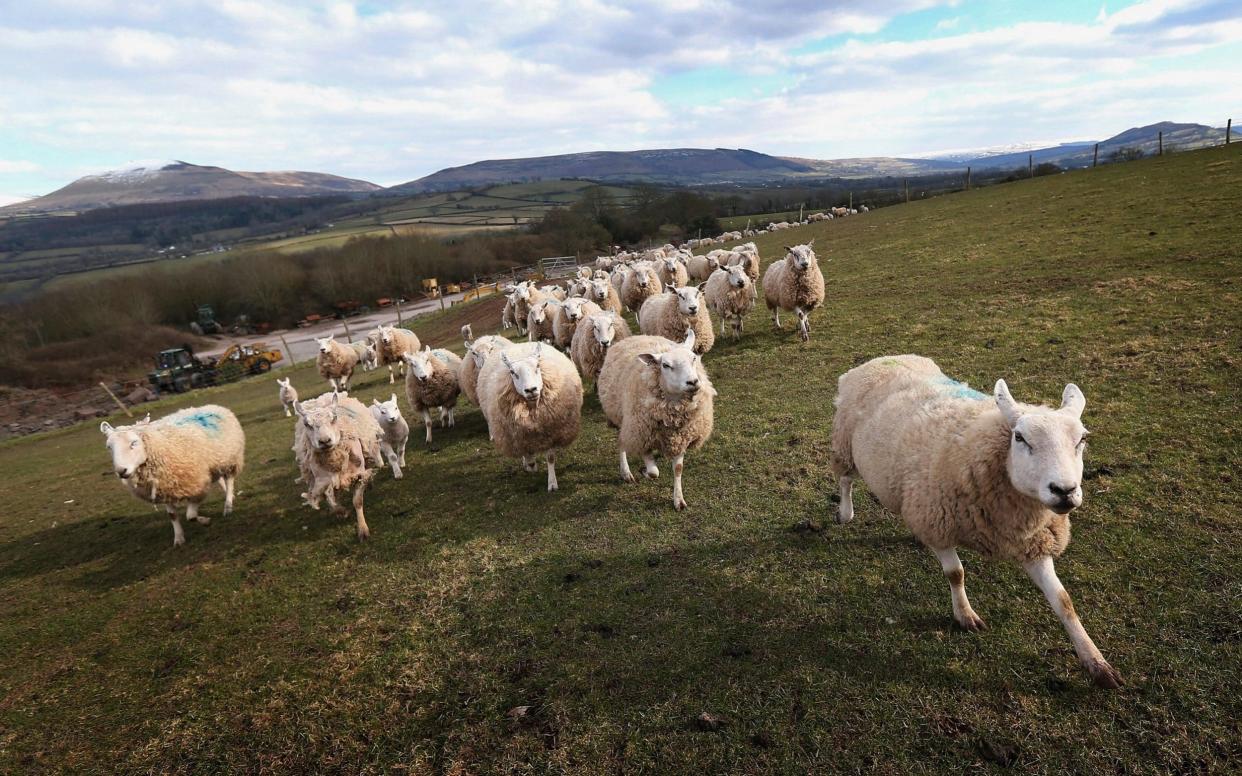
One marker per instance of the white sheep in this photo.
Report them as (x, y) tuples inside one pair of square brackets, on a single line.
[(554, 292), (394, 344), (532, 399), (175, 460), (965, 469), (288, 395), (539, 320), (731, 294), (794, 283), (476, 354), (432, 383), (565, 318), (640, 284), (594, 335), (671, 313), (367, 354), (659, 397), (700, 268), (335, 362), (336, 444), (525, 296), (395, 432), (604, 295), (672, 272)]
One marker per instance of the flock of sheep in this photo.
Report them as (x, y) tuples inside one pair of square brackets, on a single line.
[(960, 467)]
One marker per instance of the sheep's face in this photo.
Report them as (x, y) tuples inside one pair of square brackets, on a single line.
[(319, 425), (479, 351), (127, 448), (604, 327), (572, 308), (800, 257), (526, 375), (678, 370), (522, 293), (285, 383), (420, 364), (386, 335), (737, 276), (599, 288), (687, 300), (325, 344), (538, 315), (386, 411), (1046, 448), (368, 351), (670, 266)]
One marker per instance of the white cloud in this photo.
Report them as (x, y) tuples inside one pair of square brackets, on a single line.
[(15, 166)]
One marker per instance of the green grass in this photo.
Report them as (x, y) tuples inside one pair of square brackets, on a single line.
[(757, 220), (275, 641)]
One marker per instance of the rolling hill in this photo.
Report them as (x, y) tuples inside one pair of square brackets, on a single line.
[(1182, 137)]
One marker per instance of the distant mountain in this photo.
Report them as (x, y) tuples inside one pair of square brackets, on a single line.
[(172, 181), (1181, 137)]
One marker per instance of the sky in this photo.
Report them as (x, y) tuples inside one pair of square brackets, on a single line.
[(391, 91)]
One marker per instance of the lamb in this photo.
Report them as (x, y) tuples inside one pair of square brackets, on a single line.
[(394, 344), (594, 335), (658, 395), (175, 460), (604, 295), (539, 320), (476, 354), (335, 362), (565, 319), (700, 268), (794, 283), (432, 382), (395, 432), (288, 395), (965, 469), (507, 318), (670, 314), (640, 284), (336, 444), (365, 350), (525, 297), (672, 272), (532, 399), (731, 294)]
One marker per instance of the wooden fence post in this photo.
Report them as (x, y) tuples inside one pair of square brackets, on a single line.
[(1095, 158), (348, 337), (1160, 139), (851, 200), (905, 182), (118, 401), (968, 179), (288, 350), (1030, 165), (397, 302), (1228, 130)]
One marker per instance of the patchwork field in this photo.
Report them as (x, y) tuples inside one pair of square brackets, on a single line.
[(491, 627)]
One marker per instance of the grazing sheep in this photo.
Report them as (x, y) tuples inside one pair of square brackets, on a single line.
[(640, 284), (288, 395), (670, 314), (335, 362), (337, 447), (604, 295), (175, 460), (672, 272), (432, 382), (731, 294), (594, 335), (532, 399), (700, 268), (565, 318), (658, 395), (539, 320), (394, 344), (395, 432), (965, 469), (794, 283), (476, 354)]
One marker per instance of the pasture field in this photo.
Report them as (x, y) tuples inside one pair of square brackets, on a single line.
[(757, 220), (491, 627)]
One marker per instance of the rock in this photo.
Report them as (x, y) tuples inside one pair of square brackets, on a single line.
[(140, 394)]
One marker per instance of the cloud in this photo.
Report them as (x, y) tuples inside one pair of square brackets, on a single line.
[(15, 166)]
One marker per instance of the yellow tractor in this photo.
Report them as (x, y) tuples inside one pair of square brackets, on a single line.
[(240, 360)]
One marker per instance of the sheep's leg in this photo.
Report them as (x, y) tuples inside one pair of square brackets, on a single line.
[(953, 571), (360, 491), (550, 457), (679, 501), (288, 413), (191, 514), (649, 467), (427, 424), (402, 453), (626, 474), (723, 318), (178, 534), (776, 317), (393, 461), (227, 483), (452, 416), (804, 324), (1044, 575), (444, 416), (392, 377), (845, 511)]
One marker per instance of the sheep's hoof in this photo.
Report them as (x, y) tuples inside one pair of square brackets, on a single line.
[(653, 473), (628, 477), (178, 542), (397, 475), (679, 504), (364, 534), (553, 488), (203, 520), (1105, 676), (843, 517), (972, 622)]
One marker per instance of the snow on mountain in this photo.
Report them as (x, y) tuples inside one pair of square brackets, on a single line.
[(137, 170), (967, 154)]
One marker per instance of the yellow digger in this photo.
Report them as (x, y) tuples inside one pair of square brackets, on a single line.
[(240, 360)]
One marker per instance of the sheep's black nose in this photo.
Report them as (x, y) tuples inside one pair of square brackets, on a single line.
[(693, 383), (1062, 490)]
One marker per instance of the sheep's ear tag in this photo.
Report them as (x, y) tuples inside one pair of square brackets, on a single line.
[(1072, 400), (1006, 404)]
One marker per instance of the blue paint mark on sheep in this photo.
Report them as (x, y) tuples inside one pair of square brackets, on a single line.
[(207, 421), (958, 389), (442, 355)]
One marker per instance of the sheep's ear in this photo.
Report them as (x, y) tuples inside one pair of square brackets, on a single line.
[(788, 249), (1072, 400), (375, 402), (702, 287), (393, 398), (650, 359), (810, 242), (426, 348), (297, 409), (106, 428), (1006, 403), (146, 419), (689, 341)]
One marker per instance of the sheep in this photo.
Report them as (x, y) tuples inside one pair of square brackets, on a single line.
[(539, 320), (672, 272), (658, 396), (700, 268), (395, 432), (335, 362), (507, 318), (554, 292), (525, 296), (794, 283), (476, 354), (175, 460), (747, 256), (670, 314), (864, 209), (565, 318), (640, 284), (288, 395), (731, 294), (432, 382), (532, 399), (394, 344), (594, 335), (336, 444), (604, 295), (467, 333), (965, 469), (365, 351)]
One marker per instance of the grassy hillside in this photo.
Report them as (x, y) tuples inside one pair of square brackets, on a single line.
[(274, 640)]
